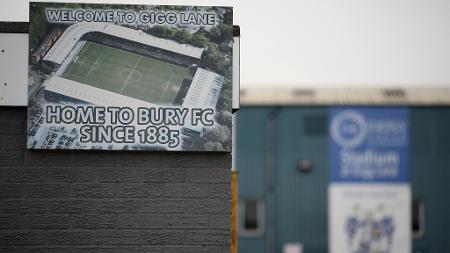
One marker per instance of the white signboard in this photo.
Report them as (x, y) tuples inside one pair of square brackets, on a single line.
[(369, 218), (13, 69)]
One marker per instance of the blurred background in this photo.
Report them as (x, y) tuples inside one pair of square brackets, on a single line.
[(303, 62)]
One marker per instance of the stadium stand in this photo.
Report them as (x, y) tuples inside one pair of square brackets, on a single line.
[(75, 32)]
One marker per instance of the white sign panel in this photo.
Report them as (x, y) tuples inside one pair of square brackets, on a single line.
[(13, 69), (369, 218)]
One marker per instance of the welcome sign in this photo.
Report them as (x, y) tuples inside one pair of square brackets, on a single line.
[(130, 77), (369, 195), (61, 15)]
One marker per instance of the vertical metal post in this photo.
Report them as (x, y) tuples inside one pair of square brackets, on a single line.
[(234, 202), (234, 172), (234, 189)]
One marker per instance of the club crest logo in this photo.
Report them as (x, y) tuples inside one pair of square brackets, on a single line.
[(370, 231), (349, 129)]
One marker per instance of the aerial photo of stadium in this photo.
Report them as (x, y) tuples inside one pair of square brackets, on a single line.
[(107, 64), (103, 58)]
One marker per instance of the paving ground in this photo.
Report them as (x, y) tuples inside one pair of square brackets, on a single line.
[(130, 74)]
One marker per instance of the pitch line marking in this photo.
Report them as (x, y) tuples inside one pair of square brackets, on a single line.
[(129, 75), (97, 62), (166, 85)]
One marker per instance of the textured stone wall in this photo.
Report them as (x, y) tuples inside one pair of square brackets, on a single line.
[(110, 201)]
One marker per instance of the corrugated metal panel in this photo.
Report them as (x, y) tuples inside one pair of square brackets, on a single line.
[(430, 162), (301, 210), (251, 163), (301, 196)]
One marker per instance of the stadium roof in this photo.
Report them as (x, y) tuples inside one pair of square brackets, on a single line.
[(74, 32), (204, 91), (345, 96)]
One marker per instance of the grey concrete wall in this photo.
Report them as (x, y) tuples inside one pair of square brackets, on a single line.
[(110, 201)]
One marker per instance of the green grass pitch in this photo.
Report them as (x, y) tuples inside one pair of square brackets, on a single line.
[(130, 74)]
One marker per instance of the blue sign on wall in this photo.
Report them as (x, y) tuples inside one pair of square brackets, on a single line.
[(369, 144)]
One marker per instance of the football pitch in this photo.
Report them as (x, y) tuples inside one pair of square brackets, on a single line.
[(130, 74)]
